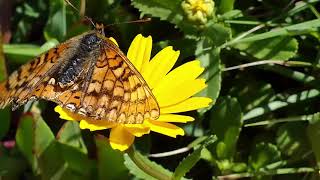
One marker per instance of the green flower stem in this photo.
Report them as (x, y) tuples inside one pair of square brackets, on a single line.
[(243, 22), (284, 71), (138, 160), (280, 120), (279, 62), (270, 172), (170, 153)]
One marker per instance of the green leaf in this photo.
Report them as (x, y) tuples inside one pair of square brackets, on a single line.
[(277, 104), (33, 138), (141, 167), (21, 53), (292, 30), (110, 162), (218, 34), (25, 139), (188, 162), (239, 167), (60, 161), (48, 45), (165, 10), (43, 136), (210, 59), (313, 132), (291, 140), (277, 48), (11, 167), (70, 134), (226, 123), (253, 94), (226, 5), (56, 27), (27, 16), (233, 14), (263, 155), (161, 9)]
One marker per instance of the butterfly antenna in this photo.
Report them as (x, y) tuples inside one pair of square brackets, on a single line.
[(130, 22), (86, 17)]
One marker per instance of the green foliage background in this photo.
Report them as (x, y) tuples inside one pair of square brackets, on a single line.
[(262, 62)]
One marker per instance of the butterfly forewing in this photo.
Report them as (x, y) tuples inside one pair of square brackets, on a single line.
[(22, 82), (88, 75)]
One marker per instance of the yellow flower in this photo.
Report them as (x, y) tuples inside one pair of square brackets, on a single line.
[(198, 10), (173, 91)]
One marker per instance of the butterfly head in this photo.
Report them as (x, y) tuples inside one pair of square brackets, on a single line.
[(91, 41), (100, 29)]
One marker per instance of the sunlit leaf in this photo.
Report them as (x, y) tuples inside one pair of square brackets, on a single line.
[(296, 29), (277, 48), (226, 6), (226, 123), (210, 59), (57, 25), (70, 134)]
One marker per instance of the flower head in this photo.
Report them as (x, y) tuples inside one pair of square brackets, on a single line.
[(173, 91), (198, 10)]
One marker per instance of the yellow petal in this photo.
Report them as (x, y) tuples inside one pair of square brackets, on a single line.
[(114, 41), (190, 104), (65, 114), (137, 129), (175, 118), (165, 128), (95, 125), (188, 71), (160, 65), (133, 49), (120, 138), (140, 51), (176, 93)]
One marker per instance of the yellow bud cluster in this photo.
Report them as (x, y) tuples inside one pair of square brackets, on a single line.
[(198, 10)]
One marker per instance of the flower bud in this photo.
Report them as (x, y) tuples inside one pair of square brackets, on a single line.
[(198, 11)]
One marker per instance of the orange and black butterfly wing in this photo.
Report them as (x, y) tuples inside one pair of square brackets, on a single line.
[(115, 92), (104, 86), (21, 83)]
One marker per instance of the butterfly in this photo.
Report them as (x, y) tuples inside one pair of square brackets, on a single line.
[(88, 75)]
